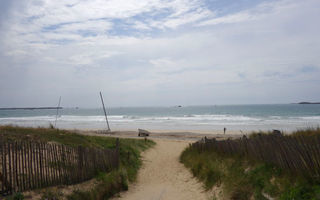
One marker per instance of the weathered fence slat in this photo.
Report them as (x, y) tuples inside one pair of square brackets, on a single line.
[(299, 154), (29, 165), (2, 170), (16, 166), (9, 167)]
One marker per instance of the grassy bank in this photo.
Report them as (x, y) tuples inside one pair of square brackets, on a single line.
[(107, 184), (242, 178)]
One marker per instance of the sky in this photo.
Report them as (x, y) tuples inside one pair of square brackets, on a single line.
[(158, 52)]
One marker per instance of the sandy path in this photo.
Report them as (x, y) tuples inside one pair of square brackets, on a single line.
[(162, 176)]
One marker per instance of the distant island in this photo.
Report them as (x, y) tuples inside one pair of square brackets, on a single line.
[(31, 108), (309, 103)]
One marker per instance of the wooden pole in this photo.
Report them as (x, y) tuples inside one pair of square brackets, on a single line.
[(10, 165), (105, 113), (55, 123)]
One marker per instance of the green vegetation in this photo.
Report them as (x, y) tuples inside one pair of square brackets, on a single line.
[(108, 183), (70, 138), (297, 133), (242, 178), (16, 196), (306, 132), (52, 194)]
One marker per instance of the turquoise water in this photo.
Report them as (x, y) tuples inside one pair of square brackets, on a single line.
[(286, 117)]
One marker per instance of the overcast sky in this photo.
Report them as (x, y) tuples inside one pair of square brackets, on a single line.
[(158, 52)]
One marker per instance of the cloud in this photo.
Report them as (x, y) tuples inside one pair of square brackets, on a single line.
[(264, 9), (158, 52), (309, 69)]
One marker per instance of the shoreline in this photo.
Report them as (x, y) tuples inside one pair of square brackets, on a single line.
[(170, 135), (173, 134)]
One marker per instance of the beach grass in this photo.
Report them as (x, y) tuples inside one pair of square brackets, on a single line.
[(243, 178), (108, 183), (306, 132), (312, 131)]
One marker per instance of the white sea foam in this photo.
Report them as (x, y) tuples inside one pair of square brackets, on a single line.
[(311, 118), (184, 118), (171, 122), (31, 118)]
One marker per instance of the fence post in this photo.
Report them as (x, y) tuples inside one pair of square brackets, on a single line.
[(10, 164), (117, 153), (5, 177), (80, 164), (30, 165)]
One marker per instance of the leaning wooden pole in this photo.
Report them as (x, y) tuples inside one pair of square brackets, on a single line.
[(104, 109), (55, 123)]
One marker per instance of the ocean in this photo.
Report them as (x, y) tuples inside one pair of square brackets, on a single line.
[(286, 117)]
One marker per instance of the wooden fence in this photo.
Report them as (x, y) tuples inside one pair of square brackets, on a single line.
[(30, 165), (299, 154)]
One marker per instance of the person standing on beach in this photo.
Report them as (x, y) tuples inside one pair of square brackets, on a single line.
[(224, 130)]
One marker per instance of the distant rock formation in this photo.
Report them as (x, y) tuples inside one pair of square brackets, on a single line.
[(309, 103), (31, 108)]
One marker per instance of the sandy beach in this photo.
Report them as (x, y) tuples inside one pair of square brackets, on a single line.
[(162, 176), (185, 135)]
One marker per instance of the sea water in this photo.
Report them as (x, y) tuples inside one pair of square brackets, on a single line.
[(286, 117)]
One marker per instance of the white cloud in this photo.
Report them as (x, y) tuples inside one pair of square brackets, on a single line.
[(262, 10), (99, 27), (260, 46), (141, 26), (234, 18), (186, 18)]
